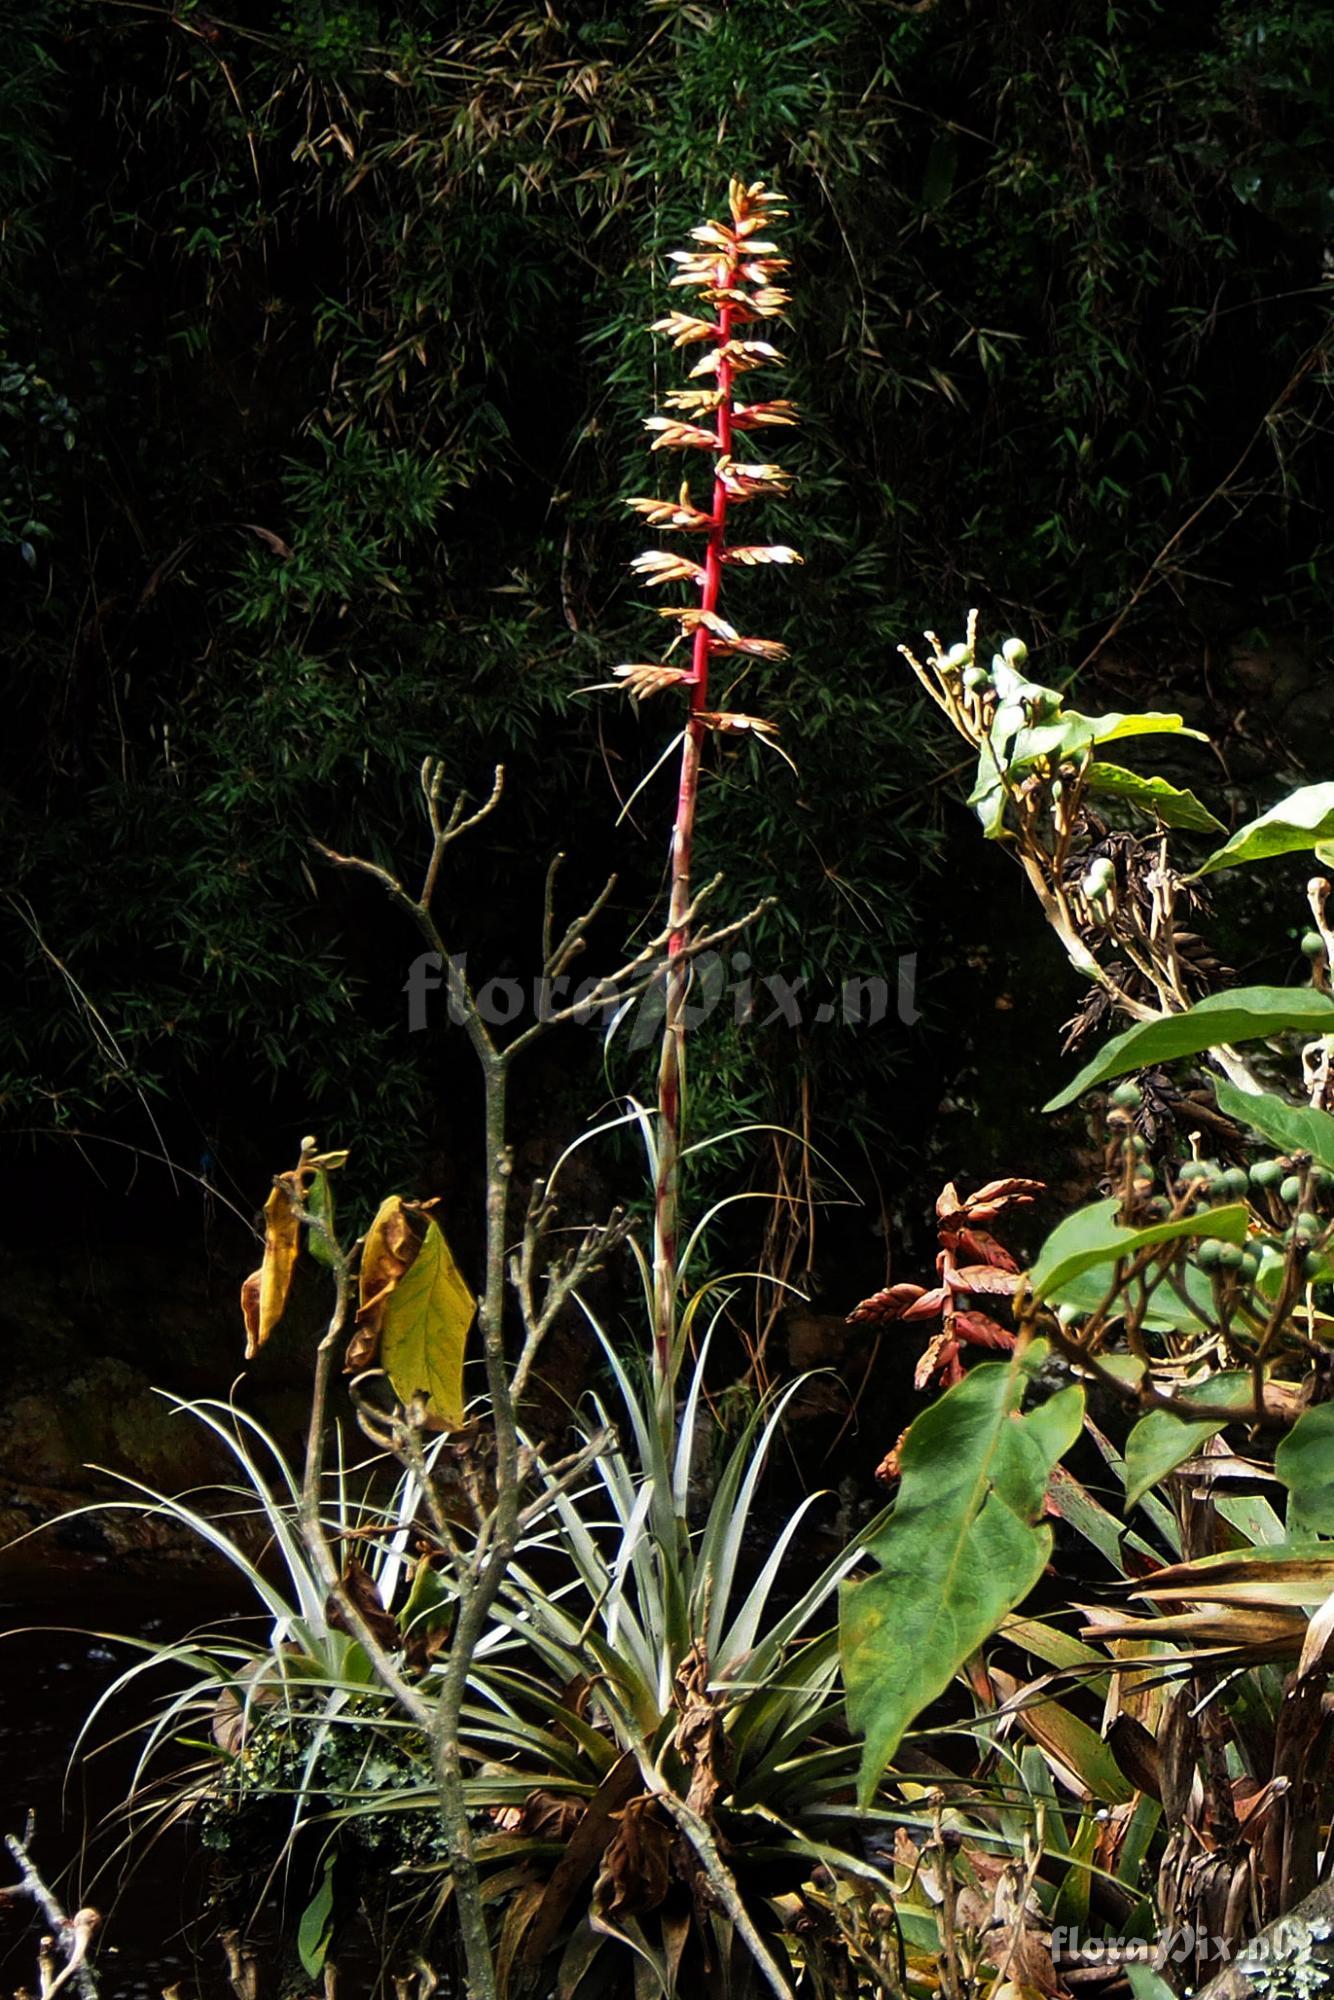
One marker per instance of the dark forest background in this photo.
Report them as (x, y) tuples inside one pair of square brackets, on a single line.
[(322, 371)]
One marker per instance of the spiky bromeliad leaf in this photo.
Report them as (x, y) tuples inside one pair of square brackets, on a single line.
[(1241, 1015), (960, 1551)]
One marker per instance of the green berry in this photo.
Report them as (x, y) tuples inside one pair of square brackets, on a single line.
[(1250, 1264), (1234, 1182), (1291, 1189), (1127, 1097), (1015, 653), (1230, 1256), (976, 679), (1209, 1255), (1195, 1170), (1267, 1173), (1308, 1224), (1313, 944)]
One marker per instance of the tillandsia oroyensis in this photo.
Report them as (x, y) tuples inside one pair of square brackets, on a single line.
[(733, 270)]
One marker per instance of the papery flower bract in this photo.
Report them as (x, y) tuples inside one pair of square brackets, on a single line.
[(658, 566), (727, 722), (752, 558), (682, 513), (674, 435), (644, 678)]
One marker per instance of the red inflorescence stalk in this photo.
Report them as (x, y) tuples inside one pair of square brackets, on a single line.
[(734, 273)]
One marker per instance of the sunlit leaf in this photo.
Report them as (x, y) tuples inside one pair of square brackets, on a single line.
[(1168, 803), (1294, 1128), (1240, 1015), (1092, 1237), (415, 1310), (1295, 824)]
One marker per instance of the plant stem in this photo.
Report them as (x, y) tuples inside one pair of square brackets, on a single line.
[(672, 1065)]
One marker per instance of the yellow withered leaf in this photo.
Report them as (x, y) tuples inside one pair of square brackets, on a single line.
[(416, 1308), (264, 1293)]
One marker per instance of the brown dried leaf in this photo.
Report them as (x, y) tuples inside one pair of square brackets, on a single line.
[(263, 1308), (391, 1248), (365, 1599), (250, 1312), (636, 1867)]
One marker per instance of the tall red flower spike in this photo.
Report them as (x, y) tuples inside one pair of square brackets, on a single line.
[(733, 271)]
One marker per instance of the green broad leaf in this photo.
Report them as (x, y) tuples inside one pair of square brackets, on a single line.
[(1014, 746), (1145, 1983), (315, 1931), (1115, 728), (425, 1329), (1242, 1015), (1304, 1462), (961, 1549), (1168, 803), (320, 1205), (430, 1605), (1092, 1237), (1161, 1441), (1300, 822), (1293, 1128)]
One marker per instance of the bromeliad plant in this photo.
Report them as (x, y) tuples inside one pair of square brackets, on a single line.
[(725, 1721), (733, 272)]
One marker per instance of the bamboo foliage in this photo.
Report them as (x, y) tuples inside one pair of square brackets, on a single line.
[(735, 270)]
